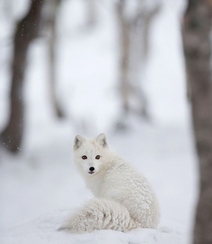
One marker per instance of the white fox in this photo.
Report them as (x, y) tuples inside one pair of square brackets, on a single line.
[(124, 200)]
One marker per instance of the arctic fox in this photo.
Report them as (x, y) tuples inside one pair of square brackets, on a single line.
[(124, 200)]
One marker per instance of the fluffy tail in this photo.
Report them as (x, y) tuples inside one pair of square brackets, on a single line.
[(99, 214)]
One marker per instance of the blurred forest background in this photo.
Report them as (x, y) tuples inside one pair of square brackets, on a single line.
[(115, 66), (107, 45)]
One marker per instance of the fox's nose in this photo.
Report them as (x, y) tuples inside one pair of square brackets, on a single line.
[(91, 168)]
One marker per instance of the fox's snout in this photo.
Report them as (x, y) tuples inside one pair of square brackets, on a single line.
[(91, 170)]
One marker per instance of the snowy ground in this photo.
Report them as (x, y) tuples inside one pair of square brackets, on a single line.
[(45, 180), (42, 180), (44, 230)]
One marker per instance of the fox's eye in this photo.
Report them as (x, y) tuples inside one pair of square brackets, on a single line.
[(84, 157), (97, 156)]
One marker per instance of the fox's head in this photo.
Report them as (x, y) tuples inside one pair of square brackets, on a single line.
[(90, 154)]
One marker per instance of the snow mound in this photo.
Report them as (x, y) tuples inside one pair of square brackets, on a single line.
[(44, 230)]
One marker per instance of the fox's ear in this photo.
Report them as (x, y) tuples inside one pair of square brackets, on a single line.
[(101, 139), (78, 140)]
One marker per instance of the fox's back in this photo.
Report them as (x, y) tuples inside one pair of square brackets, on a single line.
[(127, 186)]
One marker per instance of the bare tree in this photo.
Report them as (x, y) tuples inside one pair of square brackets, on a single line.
[(134, 47), (50, 22), (26, 32), (197, 48), (91, 13), (124, 38)]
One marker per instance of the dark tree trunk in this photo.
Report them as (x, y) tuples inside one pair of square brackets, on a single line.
[(26, 32), (197, 48)]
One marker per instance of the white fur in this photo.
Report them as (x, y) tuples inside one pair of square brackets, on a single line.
[(124, 199)]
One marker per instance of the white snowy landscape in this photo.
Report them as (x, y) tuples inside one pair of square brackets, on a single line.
[(40, 187)]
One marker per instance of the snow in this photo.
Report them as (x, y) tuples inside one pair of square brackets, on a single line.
[(46, 181), (44, 230), (42, 180)]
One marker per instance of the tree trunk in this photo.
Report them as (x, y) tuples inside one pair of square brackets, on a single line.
[(91, 13), (148, 18), (133, 43), (52, 21), (26, 32), (140, 35), (124, 63), (197, 48)]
